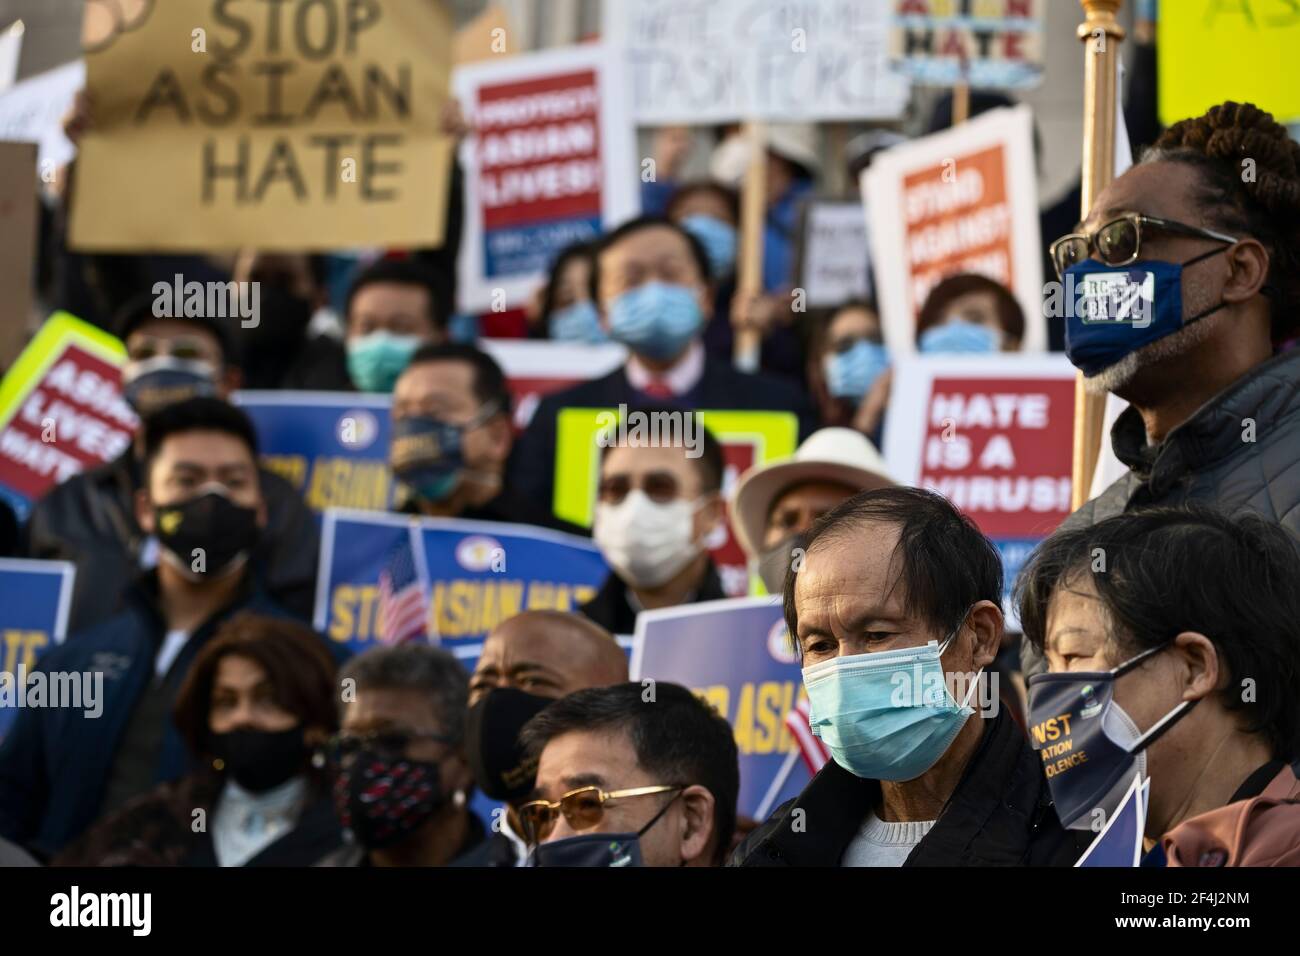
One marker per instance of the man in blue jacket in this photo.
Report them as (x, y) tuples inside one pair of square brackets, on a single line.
[(62, 766)]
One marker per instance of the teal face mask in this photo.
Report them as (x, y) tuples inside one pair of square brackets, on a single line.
[(886, 715), (376, 360)]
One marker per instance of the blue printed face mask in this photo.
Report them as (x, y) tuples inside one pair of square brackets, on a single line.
[(959, 337), (887, 715), (157, 382), (718, 239), (656, 320), (579, 322), (376, 360), (427, 454), (1116, 310), (850, 373)]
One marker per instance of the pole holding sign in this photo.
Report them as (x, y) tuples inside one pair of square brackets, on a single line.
[(1101, 36), (753, 215)]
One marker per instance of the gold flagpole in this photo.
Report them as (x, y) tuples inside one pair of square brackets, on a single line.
[(1101, 35)]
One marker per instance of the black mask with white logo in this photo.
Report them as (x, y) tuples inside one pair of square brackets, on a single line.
[(207, 535)]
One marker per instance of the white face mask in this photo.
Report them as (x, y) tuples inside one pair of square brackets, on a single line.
[(644, 542)]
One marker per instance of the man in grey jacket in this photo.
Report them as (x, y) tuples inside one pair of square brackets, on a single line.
[(1187, 272)]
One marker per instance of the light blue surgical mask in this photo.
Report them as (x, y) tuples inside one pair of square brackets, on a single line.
[(850, 373), (579, 322), (376, 360), (886, 715), (960, 337), (718, 239), (657, 320)]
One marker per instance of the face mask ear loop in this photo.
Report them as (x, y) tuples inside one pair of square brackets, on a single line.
[(662, 810), (944, 646), (1164, 724)]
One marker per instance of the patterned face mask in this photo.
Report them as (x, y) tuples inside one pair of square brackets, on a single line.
[(382, 799)]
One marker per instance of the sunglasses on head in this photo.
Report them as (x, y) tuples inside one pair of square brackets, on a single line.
[(1119, 242), (583, 809)]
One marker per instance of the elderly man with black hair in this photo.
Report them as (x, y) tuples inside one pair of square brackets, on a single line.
[(635, 774), (895, 611)]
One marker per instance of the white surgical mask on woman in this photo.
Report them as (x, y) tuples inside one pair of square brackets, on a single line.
[(647, 543)]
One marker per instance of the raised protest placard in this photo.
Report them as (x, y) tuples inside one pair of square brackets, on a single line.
[(32, 112), (1121, 840), (331, 446), (465, 577), (720, 61), (295, 125), (992, 434), (34, 600), (535, 369), (994, 44), (958, 201), (736, 655), (18, 207), (1212, 51), (833, 261), (552, 161), (61, 409)]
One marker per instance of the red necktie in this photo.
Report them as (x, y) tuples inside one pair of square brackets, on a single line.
[(656, 388)]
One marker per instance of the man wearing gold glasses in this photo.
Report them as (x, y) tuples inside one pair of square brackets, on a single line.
[(636, 774)]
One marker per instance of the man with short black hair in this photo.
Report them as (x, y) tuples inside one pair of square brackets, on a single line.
[(651, 283), (392, 309), (631, 775), (61, 767), (895, 611), (90, 519)]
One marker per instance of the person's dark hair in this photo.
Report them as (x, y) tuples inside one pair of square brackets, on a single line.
[(192, 415), (431, 671), (710, 463), (1010, 316), (1169, 570), (299, 667), (631, 228), (570, 253), (729, 197), (139, 311), (399, 272), (1265, 206), (678, 739), (945, 565), (489, 386)]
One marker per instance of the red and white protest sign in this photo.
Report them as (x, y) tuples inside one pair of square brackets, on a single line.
[(964, 200), (535, 369), (551, 162), (61, 409), (994, 435)]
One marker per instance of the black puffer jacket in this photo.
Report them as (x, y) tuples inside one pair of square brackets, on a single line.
[(1001, 814), (1240, 451)]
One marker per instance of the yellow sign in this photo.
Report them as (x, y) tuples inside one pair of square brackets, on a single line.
[(295, 125), (1217, 50)]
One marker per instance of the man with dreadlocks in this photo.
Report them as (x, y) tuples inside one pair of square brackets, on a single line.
[(1187, 278)]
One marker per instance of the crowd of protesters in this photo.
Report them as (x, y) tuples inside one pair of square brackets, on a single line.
[(1176, 654)]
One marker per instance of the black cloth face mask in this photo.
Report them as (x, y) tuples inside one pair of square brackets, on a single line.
[(598, 849), (501, 768), (261, 760), (204, 536)]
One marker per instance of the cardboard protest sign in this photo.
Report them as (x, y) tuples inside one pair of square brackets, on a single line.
[(296, 125), (552, 161), (18, 207), (833, 260), (487, 36), (535, 369), (35, 597), (331, 446), (473, 574), (992, 434), (32, 112), (1211, 51), (61, 409), (735, 654), (996, 44), (747, 439), (720, 61), (963, 200)]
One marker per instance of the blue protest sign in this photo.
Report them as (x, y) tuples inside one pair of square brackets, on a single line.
[(331, 446), (34, 600), (1120, 842), (734, 654), (464, 578)]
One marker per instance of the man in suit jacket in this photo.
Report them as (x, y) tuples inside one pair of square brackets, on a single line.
[(651, 284)]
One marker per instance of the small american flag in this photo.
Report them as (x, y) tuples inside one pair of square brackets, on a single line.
[(811, 748), (403, 596)]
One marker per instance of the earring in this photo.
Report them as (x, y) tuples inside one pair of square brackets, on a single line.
[(218, 764), (459, 798)]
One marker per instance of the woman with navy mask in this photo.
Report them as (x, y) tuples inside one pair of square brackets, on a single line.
[(1172, 641), (850, 369), (969, 315)]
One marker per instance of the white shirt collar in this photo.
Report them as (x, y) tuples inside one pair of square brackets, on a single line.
[(680, 379)]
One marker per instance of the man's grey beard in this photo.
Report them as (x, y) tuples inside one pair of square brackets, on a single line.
[(1121, 374)]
